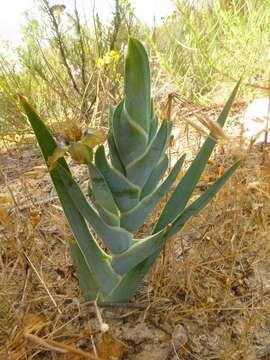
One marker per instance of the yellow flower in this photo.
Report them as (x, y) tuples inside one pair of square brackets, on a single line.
[(109, 58), (100, 62)]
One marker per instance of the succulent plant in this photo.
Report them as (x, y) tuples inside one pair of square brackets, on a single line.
[(126, 182)]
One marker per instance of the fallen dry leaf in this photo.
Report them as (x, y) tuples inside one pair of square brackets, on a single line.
[(109, 348)]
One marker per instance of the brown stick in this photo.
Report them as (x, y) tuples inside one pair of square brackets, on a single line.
[(60, 347)]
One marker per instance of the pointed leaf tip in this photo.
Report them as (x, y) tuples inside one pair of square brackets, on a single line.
[(137, 84)]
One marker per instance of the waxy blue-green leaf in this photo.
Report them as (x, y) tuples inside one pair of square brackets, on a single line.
[(114, 156), (107, 217), (92, 270), (88, 284), (155, 177), (139, 170), (184, 189), (130, 282), (102, 195), (137, 85), (115, 238), (100, 269), (153, 123), (134, 218), (132, 118), (201, 202), (141, 250), (110, 116), (45, 140), (130, 139), (126, 194)]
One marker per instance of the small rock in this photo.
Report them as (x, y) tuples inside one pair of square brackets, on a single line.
[(179, 336), (256, 120)]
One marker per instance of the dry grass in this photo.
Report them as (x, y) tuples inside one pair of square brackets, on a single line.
[(212, 278)]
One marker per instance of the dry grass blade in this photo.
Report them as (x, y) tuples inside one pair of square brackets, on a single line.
[(42, 282), (60, 347)]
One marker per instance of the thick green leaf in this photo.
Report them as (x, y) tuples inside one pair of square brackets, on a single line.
[(155, 177), (114, 156), (101, 271), (141, 250), (153, 123), (201, 202), (132, 118), (130, 139), (103, 197), (115, 238), (90, 266), (88, 284), (107, 217), (134, 218), (45, 140), (130, 282), (184, 189), (137, 85), (126, 194), (111, 112), (139, 170)]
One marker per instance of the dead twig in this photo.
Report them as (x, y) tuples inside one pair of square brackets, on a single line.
[(60, 347)]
